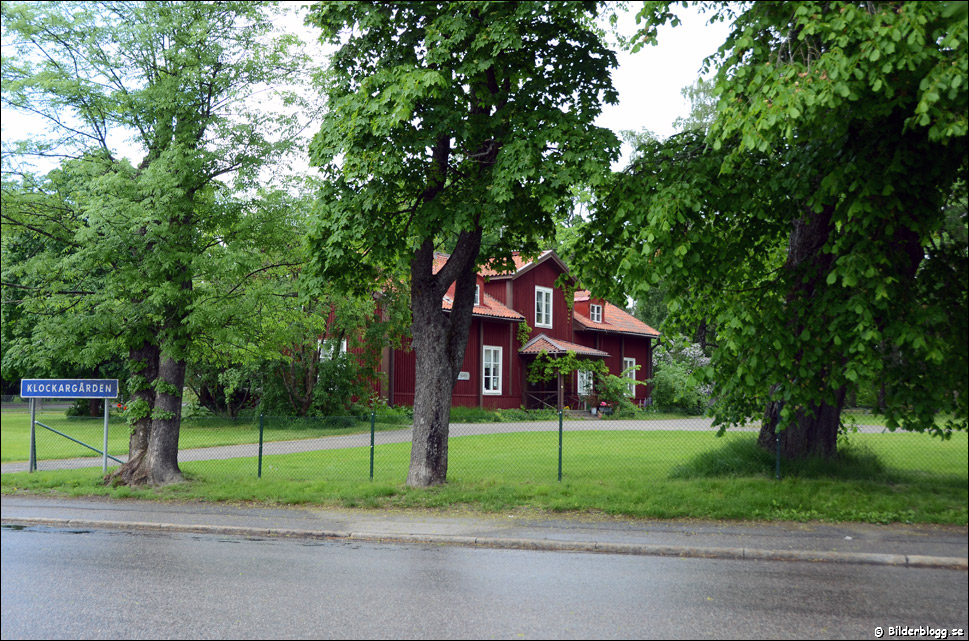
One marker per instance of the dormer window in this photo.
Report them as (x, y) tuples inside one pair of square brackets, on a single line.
[(595, 313), (543, 307)]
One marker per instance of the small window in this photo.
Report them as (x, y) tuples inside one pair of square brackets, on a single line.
[(543, 307), (491, 370), (327, 347), (627, 364), (595, 313), (477, 295)]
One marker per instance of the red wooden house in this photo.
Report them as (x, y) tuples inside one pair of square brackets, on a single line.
[(494, 371)]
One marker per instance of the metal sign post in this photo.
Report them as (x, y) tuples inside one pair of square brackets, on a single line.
[(104, 450), (32, 466), (34, 388)]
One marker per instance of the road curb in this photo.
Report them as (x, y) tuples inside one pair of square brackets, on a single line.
[(635, 549)]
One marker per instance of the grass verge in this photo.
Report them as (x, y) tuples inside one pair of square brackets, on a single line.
[(634, 474)]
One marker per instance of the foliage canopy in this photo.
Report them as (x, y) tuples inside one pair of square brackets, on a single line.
[(454, 127), (820, 224), (477, 115), (139, 258)]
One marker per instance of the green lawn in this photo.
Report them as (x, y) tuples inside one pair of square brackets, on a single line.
[(216, 431), (867, 417), (914, 478), (200, 432)]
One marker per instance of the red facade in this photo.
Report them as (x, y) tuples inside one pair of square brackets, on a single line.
[(494, 372)]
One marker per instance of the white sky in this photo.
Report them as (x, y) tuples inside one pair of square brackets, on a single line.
[(648, 82)]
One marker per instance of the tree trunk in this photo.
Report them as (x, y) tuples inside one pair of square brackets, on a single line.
[(813, 433), (134, 472), (161, 460), (701, 335), (153, 446), (439, 342), (434, 385)]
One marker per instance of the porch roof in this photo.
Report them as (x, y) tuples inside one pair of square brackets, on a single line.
[(555, 346)]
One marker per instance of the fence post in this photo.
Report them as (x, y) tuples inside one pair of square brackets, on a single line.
[(560, 445), (777, 465), (32, 465), (373, 419), (259, 473)]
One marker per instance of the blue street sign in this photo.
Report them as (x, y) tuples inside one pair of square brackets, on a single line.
[(69, 388)]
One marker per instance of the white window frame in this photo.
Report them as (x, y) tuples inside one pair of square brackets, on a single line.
[(595, 313), (543, 294), (325, 347), (491, 383), (583, 383), (477, 295), (626, 364)]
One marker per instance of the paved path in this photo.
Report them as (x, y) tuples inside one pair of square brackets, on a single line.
[(698, 424), (913, 546)]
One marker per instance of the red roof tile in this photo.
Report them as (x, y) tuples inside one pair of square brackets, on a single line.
[(543, 343), (615, 320), (519, 260), (488, 306), (439, 261)]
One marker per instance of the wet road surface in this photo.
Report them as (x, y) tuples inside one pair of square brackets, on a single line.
[(59, 583)]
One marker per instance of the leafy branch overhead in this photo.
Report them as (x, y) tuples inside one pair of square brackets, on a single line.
[(475, 116)]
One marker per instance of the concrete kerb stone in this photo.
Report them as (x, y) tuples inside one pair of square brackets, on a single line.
[(866, 558), (729, 553), (288, 533), (952, 562)]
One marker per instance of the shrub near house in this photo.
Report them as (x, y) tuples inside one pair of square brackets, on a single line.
[(676, 359)]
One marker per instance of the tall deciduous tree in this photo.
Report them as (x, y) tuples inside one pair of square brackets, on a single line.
[(454, 126), (180, 80), (810, 223)]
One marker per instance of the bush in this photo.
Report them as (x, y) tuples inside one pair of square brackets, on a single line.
[(402, 414), (340, 384), (867, 395), (673, 387), (82, 407), (479, 415), (614, 392)]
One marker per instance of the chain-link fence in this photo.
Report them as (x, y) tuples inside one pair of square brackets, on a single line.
[(12, 403), (576, 446)]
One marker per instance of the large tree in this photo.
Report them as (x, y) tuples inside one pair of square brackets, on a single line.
[(457, 127), (143, 241), (814, 223)]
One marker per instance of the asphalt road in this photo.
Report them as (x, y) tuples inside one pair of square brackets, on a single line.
[(60, 583)]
